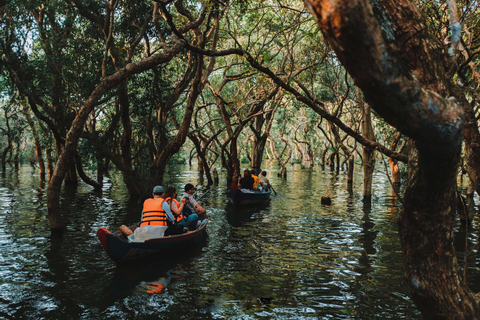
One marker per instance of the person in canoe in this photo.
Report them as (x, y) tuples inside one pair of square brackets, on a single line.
[(264, 180), (181, 218), (247, 181), (192, 205), (256, 180), (157, 212)]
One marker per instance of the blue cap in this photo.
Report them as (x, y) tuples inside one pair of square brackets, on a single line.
[(158, 190)]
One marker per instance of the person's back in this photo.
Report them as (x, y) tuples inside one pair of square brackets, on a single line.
[(156, 214), (247, 181), (153, 213), (256, 180)]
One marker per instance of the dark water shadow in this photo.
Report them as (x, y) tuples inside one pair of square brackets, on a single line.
[(153, 270), (237, 215)]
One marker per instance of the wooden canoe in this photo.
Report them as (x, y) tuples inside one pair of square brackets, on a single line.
[(119, 249), (248, 197)]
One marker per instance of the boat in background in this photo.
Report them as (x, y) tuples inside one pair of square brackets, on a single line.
[(247, 197), (119, 249)]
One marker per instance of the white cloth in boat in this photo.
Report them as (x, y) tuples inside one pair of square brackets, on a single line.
[(141, 234), (247, 190)]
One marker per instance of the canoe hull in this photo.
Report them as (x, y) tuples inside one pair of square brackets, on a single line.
[(243, 198), (120, 250)]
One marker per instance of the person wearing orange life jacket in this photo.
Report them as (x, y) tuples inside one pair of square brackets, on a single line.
[(256, 180), (182, 218), (157, 212)]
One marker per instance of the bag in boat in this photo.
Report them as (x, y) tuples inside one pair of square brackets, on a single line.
[(141, 234)]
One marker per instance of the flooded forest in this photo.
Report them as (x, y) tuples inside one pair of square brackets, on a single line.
[(371, 106)]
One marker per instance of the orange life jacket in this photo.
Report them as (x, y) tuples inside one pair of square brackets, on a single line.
[(256, 181), (178, 217), (153, 214)]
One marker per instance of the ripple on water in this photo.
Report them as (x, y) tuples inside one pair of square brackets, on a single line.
[(290, 259)]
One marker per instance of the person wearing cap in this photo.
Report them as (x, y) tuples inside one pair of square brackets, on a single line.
[(157, 212), (192, 205)]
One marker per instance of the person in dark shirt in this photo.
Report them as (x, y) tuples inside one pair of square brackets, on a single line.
[(247, 181)]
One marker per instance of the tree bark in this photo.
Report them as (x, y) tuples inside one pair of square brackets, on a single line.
[(368, 153), (131, 183), (36, 138), (83, 175), (416, 106), (394, 167), (350, 171)]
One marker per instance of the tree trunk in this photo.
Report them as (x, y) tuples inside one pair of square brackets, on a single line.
[(472, 146), (15, 158), (258, 148), (368, 153), (99, 170), (394, 167), (83, 175), (49, 163), (283, 169), (351, 166), (4, 155), (425, 226), (131, 183), (36, 139), (404, 91), (174, 146), (395, 171)]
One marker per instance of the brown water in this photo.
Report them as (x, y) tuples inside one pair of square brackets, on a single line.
[(292, 258)]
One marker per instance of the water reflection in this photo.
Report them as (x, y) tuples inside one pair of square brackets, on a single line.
[(147, 277), (237, 215), (290, 258)]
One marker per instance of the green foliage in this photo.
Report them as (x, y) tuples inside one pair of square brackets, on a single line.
[(178, 159), (67, 58)]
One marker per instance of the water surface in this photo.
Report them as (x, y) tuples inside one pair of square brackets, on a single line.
[(291, 258)]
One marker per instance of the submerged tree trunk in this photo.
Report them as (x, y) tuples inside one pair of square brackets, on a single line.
[(368, 153), (4, 155), (283, 169), (404, 91), (394, 167), (131, 183), (351, 165), (15, 157)]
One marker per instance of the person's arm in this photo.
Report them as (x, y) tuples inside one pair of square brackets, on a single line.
[(183, 202), (168, 211), (175, 209)]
